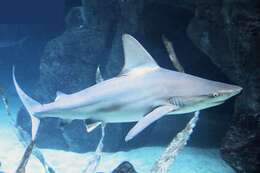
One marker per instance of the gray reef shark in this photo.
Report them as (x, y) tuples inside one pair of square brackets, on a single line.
[(143, 92)]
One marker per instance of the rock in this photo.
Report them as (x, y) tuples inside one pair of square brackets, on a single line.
[(228, 32), (125, 167)]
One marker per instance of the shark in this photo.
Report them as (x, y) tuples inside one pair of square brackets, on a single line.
[(142, 92)]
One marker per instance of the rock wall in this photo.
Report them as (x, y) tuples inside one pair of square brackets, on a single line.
[(229, 33)]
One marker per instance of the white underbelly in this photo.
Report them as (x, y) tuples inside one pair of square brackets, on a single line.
[(113, 114), (129, 107)]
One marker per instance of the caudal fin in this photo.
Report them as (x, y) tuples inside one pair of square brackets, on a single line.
[(30, 104)]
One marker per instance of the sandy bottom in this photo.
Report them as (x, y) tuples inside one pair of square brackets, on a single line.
[(190, 160)]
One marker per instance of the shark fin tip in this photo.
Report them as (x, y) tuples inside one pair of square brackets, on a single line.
[(128, 138)]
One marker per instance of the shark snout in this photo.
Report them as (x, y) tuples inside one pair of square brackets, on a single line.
[(235, 90), (238, 89), (224, 94), (231, 90)]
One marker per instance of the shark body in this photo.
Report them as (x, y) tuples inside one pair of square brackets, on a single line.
[(142, 92)]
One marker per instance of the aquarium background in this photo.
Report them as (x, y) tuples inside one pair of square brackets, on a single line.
[(217, 40)]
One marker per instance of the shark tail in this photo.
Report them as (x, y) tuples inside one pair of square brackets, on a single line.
[(30, 104)]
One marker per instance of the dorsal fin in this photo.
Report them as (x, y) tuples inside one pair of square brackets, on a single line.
[(59, 95), (136, 57)]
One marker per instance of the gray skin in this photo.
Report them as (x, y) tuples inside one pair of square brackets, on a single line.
[(143, 92), (129, 98)]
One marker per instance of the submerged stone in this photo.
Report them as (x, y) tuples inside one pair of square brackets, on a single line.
[(125, 167)]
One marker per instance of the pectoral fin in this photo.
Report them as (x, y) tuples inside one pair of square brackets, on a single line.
[(149, 119)]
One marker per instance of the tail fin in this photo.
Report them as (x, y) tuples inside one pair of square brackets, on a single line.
[(29, 104)]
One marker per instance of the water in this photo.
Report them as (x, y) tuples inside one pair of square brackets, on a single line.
[(64, 57)]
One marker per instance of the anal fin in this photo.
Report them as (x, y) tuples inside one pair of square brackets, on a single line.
[(90, 127)]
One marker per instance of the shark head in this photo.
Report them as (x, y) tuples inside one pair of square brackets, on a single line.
[(202, 93), (187, 92)]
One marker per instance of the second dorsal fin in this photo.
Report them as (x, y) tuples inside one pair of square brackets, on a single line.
[(136, 57), (59, 95)]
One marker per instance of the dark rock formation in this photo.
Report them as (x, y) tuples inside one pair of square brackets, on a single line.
[(125, 167), (229, 33)]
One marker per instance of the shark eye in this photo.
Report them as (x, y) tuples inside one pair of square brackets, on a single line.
[(215, 94)]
